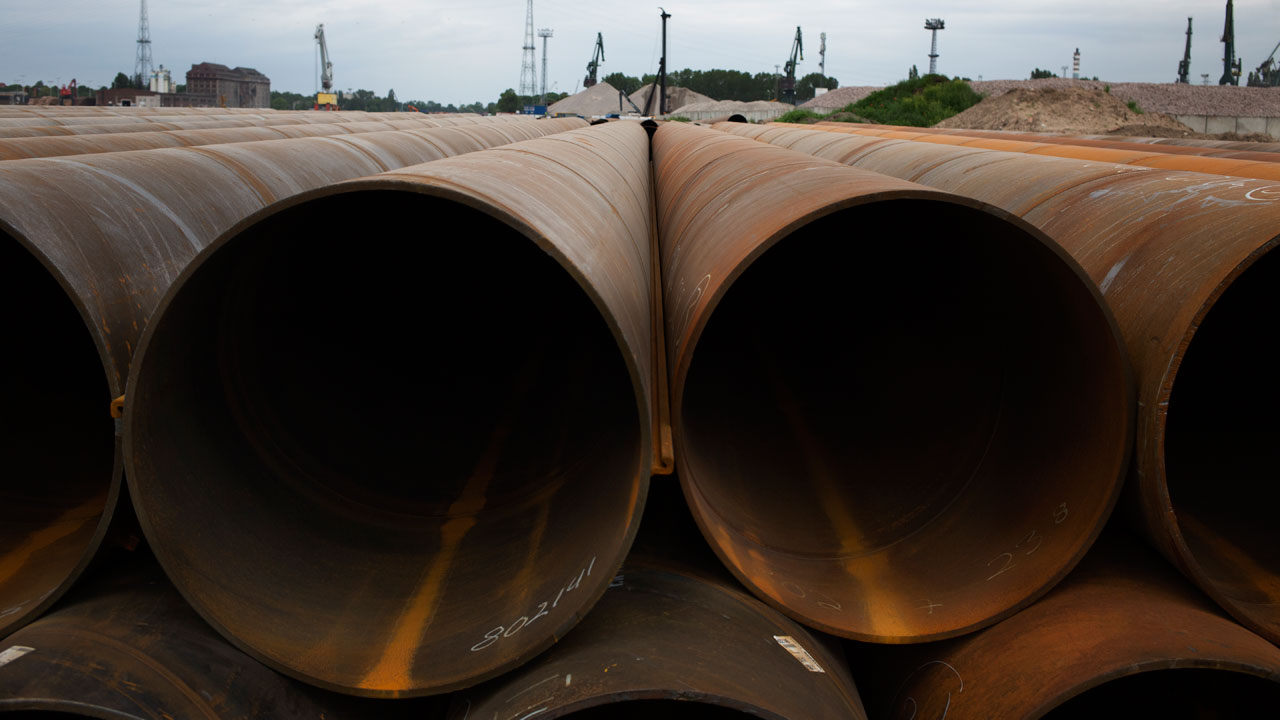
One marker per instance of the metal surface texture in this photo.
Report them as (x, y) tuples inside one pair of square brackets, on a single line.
[(872, 433), (24, 148), (1123, 633), (281, 121), (1268, 147), (1047, 146), (401, 466), (1169, 149), (125, 646), (87, 247), (665, 642), (1185, 262)]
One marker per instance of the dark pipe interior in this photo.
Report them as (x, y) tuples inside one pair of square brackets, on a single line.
[(1193, 694), (1222, 442), (57, 442), (373, 399), (667, 709), (899, 369)]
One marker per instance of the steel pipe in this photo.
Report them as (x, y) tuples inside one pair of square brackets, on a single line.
[(1252, 168), (1247, 146), (87, 247), (1185, 261), (868, 431), (37, 147), (125, 646), (668, 642), (1113, 144), (402, 466), (200, 123), (1122, 631)]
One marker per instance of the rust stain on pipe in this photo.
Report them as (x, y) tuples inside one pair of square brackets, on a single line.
[(1184, 260), (87, 247), (1121, 631), (470, 491), (874, 435), (1120, 153), (670, 642)]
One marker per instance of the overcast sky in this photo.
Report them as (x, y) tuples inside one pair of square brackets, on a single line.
[(456, 52)]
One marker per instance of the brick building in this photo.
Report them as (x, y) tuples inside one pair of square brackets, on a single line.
[(238, 88)]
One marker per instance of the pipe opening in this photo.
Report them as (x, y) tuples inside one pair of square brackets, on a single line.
[(58, 443), (359, 446), (903, 419), (671, 709), (1194, 694), (1222, 444)]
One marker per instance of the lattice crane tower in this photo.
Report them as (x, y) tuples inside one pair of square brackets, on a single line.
[(528, 70), (142, 61)]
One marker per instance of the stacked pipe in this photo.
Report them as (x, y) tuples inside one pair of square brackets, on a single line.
[(1185, 262), (392, 436)]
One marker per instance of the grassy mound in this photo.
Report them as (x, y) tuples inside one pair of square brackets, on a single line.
[(922, 102)]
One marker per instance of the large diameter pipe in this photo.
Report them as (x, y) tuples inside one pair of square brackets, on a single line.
[(1185, 261), (125, 646), (392, 466), (87, 247), (1251, 168), (198, 123), (900, 414), (1114, 144), (665, 642), (1122, 631), (37, 147)]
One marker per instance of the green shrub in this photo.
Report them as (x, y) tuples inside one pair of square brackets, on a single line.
[(1106, 88), (1133, 105), (922, 102), (798, 116), (679, 118)]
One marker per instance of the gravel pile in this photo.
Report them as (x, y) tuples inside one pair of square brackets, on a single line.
[(1067, 109), (599, 99), (1168, 98), (835, 99), (677, 97)]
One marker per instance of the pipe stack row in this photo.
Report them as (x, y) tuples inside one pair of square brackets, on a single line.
[(391, 403)]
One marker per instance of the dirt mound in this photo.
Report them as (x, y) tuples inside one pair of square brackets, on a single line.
[(1171, 98), (599, 99), (677, 97), (1058, 109), (838, 98)]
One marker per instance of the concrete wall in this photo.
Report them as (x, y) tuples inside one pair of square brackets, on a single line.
[(755, 116), (1225, 123)]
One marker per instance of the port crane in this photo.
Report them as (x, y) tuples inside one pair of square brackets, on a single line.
[(325, 100), (596, 58), (789, 80), (1268, 73), (1230, 63), (1184, 65)]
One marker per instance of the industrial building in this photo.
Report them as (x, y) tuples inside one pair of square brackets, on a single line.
[(233, 88)]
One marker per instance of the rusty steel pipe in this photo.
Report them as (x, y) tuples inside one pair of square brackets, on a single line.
[(197, 123), (1193, 163), (1185, 261), (1122, 631), (669, 642), (871, 478), (87, 247), (1169, 149), (37, 147), (1242, 145), (125, 646), (401, 467)]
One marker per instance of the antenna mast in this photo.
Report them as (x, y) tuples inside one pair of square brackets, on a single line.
[(142, 61), (528, 71)]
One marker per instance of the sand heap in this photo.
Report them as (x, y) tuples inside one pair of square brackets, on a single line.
[(599, 99), (1050, 109), (677, 97), (757, 111)]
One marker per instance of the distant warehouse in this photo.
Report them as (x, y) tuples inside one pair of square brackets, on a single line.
[(208, 85)]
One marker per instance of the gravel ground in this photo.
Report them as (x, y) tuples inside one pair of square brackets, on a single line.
[(1168, 98)]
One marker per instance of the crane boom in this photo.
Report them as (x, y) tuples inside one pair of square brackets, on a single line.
[(1230, 63), (1267, 74), (789, 82), (596, 58), (1184, 65), (326, 67)]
